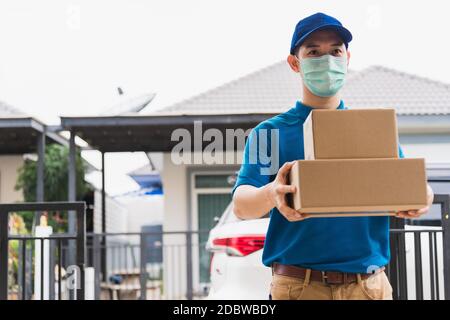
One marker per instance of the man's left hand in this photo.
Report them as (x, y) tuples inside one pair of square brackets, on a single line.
[(411, 214)]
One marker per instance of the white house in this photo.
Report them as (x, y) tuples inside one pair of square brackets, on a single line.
[(10, 159)]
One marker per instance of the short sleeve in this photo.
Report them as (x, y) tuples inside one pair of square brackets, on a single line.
[(400, 152), (256, 161)]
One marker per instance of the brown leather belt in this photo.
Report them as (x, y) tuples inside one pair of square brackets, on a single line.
[(328, 277)]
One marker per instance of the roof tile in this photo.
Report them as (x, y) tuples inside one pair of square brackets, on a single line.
[(275, 89)]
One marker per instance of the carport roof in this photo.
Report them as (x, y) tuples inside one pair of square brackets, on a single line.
[(150, 133), (19, 132)]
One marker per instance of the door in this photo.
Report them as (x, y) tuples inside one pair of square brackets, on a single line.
[(212, 195)]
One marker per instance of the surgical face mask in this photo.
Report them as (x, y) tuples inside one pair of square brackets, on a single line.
[(324, 75)]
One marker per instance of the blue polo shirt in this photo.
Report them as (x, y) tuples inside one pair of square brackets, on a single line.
[(356, 245)]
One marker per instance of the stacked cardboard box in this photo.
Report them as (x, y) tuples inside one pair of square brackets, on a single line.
[(351, 166)]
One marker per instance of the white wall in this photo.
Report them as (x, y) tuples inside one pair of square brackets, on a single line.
[(8, 178), (433, 152), (175, 218), (116, 215), (143, 210), (174, 179)]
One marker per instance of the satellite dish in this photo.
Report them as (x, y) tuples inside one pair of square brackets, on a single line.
[(130, 106)]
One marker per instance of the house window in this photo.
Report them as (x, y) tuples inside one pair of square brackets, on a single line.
[(214, 181)]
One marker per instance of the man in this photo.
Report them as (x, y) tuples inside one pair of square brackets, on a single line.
[(318, 258)]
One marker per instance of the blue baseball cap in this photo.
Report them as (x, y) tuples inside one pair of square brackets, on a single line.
[(315, 22)]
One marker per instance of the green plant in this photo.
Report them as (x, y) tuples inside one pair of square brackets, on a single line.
[(17, 227), (55, 181)]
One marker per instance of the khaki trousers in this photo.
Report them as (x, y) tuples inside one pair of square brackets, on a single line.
[(376, 287)]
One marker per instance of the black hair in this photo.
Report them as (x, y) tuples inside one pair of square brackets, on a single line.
[(296, 50)]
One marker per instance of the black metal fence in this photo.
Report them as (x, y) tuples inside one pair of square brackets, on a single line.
[(420, 258), (146, 265), (47, 247)]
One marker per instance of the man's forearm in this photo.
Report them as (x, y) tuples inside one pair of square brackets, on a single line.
[(250, 202)]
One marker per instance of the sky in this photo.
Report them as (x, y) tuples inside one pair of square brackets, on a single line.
[(61, 57)]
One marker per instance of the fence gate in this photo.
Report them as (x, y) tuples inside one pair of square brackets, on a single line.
[(58, 260), (420, 257)]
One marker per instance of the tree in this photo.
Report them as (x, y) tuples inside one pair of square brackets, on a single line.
[(55, 180)]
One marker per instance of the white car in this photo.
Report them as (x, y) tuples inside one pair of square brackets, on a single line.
[(236, 269)]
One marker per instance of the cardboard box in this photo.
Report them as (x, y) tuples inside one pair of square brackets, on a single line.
[(358, 186), (350, 134)]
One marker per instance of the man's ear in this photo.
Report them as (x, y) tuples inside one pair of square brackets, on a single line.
[(293, 63), (348, 57)]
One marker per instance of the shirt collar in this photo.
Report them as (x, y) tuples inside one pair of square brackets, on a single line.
[(303, 110)]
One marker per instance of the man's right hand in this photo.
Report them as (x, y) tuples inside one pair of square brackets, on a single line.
[(276, 193)]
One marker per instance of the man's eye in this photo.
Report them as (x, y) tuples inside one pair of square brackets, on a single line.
[(337, 51), (312, 52)]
